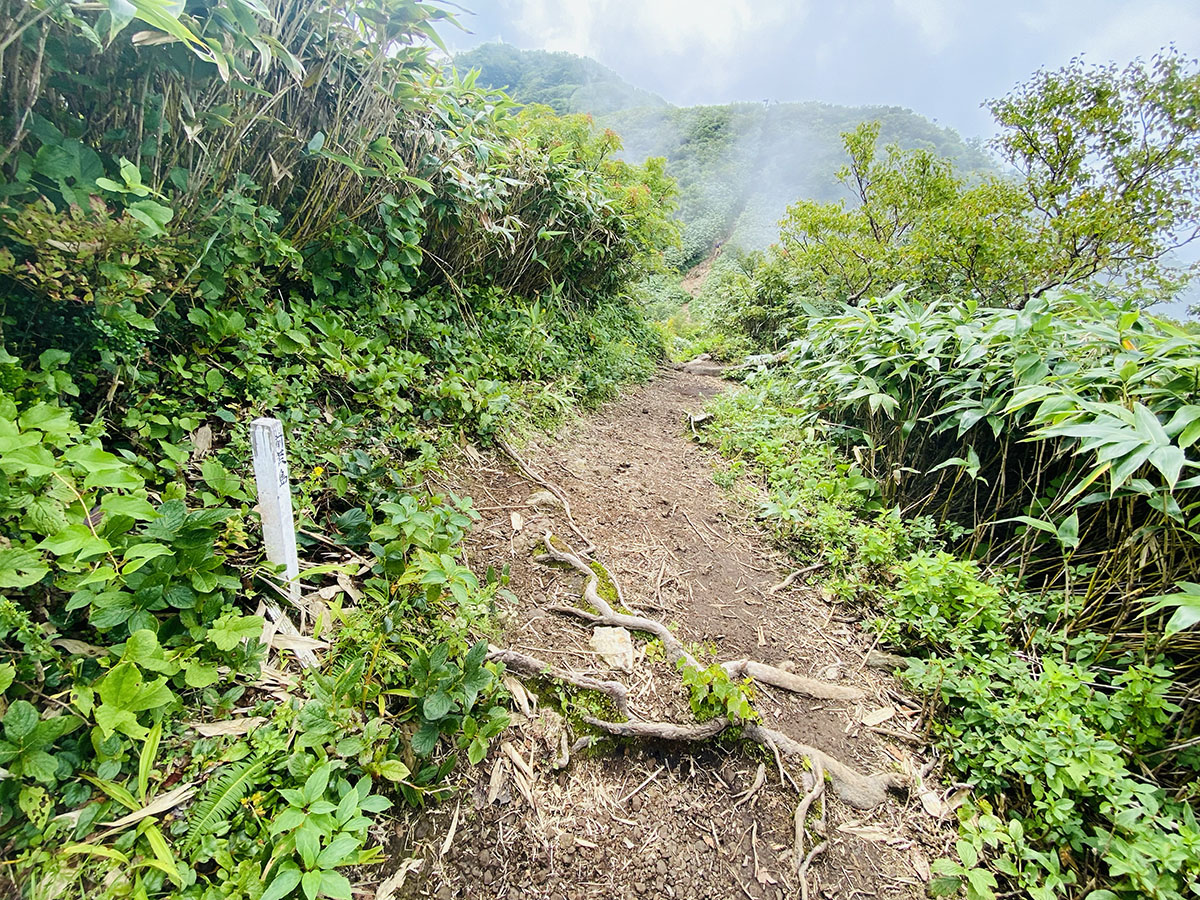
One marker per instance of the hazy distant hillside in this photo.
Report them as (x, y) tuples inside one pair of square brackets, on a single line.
[(739, 165), (568, 83)]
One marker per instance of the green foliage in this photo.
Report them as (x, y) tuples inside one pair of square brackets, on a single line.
[(1059, 432), (223, 796), (1186, 604), (1059, 742), (1110, 158), (1107, 163), (661, 296), (712, 693), (284, 210), (1071, 745), (817, 503), (321, 829), (739, 165), (934, 595)]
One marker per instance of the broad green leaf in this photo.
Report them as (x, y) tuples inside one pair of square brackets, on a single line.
[(75, 539), (337, 851), (231, 629), (315, 784), (93, 458), (138, 555), (48, 418), (393, 770), (197, 674), (1169, 461), (35, 802), (1068, 531), (223, 483), (20, 568), (282, 885), (135, 507), (40, 765), (425, 739), (308, 843), (125, 478), (20, 721), (336, 885), (436, 705), (1186, 603), (124, 688), (112, 719), (31, 462)]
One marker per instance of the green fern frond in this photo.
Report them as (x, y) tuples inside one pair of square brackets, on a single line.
[(223, 797)]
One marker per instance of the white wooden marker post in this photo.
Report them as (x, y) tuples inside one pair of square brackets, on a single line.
[(275, 498)]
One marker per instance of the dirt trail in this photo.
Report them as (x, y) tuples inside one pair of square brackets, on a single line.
[(662, 821), (694, 280)]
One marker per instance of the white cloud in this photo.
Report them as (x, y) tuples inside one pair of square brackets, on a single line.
[(934, 20), (558, 24), (1142, 29), (696, 28)]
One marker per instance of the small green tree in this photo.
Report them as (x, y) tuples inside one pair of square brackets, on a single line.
[(844, 251), (1109, 158), (1109, 186)]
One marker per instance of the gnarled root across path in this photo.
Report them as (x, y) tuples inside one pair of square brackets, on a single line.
[(860, 791)]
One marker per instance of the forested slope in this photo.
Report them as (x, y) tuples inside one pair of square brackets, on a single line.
[(563, 81), (738, 165)]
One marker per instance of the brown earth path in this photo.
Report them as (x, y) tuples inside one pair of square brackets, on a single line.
[(662, 820)]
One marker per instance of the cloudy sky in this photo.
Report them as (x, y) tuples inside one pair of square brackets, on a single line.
[(938, 57)]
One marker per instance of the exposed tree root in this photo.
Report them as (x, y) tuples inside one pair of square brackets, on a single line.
[(661, 731), (531, 667), (801, 816), (852, 787), (675, 651), (797, 684), (856, 789), (775, 589), (554, 489), (802, 872)]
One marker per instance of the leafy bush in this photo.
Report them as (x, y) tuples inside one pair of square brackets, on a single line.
[(385, 258), (1060, 432), (1059, 744), (1073, 749)]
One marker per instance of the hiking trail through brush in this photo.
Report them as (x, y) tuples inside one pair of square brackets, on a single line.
[(668, 811)]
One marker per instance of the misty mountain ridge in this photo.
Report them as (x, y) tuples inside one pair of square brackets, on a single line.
[(739, 165), (563, 81)]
